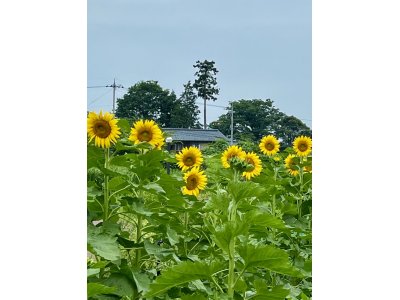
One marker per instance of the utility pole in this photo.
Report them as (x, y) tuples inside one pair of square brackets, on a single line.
[(231, 123), (114, 86)]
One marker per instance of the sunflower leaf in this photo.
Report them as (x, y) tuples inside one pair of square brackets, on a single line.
[(182, 273), (268, 257)]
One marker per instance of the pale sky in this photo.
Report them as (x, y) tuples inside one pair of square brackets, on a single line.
[(262, 49)]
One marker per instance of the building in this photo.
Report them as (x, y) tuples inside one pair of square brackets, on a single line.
[(186, 137)]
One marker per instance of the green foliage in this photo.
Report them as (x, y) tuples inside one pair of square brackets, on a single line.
[(206, 83), (94, 288), (268, 257), (216, 147), (182, 273), (239, 239), (256, 118), (186, 112), (148, 100), (103, 244)]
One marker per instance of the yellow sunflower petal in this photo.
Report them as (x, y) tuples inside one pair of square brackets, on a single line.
[(302, 145), (189, 157), (195, 181), (146, 131), (252, 159), (231, 152), (103, 128), (269, 145)]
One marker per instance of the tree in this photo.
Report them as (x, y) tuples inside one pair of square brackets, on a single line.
[(256, 118), (185, 113), (252, 119), (148, 100), (288, 128), (205, 83)]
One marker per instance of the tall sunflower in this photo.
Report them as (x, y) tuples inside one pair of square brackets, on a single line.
[(147, 131), (302, 145), (253, 160), (189, 157), (195, 181), (269, 145), (103, 128), (290, 165), (231, 152)]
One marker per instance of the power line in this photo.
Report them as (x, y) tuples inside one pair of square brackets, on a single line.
[(99, 97), (114, 86)]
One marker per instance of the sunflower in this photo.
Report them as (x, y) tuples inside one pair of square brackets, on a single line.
[(195, 181), (189, 157), (307, 168), (302, 145), (269, 145), (290, 165), (103, 128), (276, 158), (255, 165), (231, 152), (147, 131)]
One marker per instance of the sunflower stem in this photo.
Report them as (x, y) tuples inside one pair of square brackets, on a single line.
[(185, 220), (106, 189), (273, 196), (231, 256), (138, 236), (301, 186)]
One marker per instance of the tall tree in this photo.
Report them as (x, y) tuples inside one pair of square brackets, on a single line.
[(255, 118), (147, 100), (185, 113), (206, 83)]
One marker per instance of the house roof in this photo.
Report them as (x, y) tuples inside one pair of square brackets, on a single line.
[(195, 135)]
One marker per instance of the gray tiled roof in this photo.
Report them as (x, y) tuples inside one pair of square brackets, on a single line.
[(195, 135)]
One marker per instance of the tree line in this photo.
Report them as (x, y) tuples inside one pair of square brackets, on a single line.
[(253, 118)]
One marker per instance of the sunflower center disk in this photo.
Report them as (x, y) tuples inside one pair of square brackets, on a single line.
[(189, 161), (251, 165), (191, 183), (102, 129), (303, 147), (269, 146), (145, 136)]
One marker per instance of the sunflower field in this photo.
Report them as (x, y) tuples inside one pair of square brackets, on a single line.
[(185, 225)]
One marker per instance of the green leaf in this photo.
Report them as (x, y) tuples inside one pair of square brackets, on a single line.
[(264, 219), (182, 273), (194, 297), (103, 244), (244, 189), (142, 281), (173, 236), (94, 288), (157, 250), (124, 125), (123, 285), (117, 183), (91, 272), (95, 156), (223, 235), (276, 293), (152, 186), (140, 209), (127, 243), (268, 257)]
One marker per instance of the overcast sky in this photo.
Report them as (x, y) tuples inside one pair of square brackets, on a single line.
[(262, 49)]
